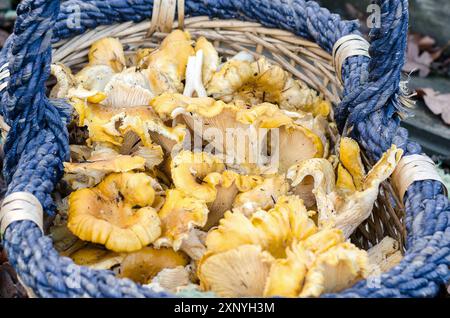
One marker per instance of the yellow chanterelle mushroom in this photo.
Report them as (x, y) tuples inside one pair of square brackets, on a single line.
[(116, 213), (279, 252), (345, 207), (141, 266)]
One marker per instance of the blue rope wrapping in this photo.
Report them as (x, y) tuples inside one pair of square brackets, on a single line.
[(38, 142)]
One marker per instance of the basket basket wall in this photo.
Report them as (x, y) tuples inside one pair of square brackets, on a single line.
[(368, 108)]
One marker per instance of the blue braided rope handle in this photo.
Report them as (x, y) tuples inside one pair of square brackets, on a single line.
[(37, 143)]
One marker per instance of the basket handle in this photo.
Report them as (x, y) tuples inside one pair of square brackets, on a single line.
[(25, 107), (379, 85)]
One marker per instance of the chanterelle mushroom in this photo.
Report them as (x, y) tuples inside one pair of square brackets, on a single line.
[(344, 209), (298, 252), (290, 132), (111, 125), (65, 80), (116, 213), (384, 256), (228, 186), (263, 196), (141, 266), (180, 214), (97, 166), (189, 172), (107, 51), (273, 230), (167, 65), (106, 57), (211, 58), (129, 88), (96, 257), (258, 82), (334, 270), (241, 133), (351, 169), (239, 272)]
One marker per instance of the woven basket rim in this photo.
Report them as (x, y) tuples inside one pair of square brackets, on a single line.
[(302, 58)]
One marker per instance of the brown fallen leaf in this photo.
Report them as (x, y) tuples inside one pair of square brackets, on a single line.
[(10, 287), (426, 43), (416, 61), (438, 103), (3, 36)]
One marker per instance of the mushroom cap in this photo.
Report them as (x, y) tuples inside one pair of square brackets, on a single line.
[(341, 206), (334, 270), (169, 106), (248, 82), (323, 175), (107, 51), (239, 272), (287, 275), (288, 221), (344, 180), (294, 275), (296, 96), (116, 213), (96, 257), (172, 279), (265, 85), (383, 256), (140, 58), (228, 184), (211, 58), (143, 265), (383, 168), (179, 215), (273, 230), (289, 132), (64, 80), (323, 240), (232, 75), (234, 230), (262, 196), (93, 79), (129, 88), (353, 209), (252, 83), (167, 65), (111, 125), (189, 173), (91, 172), (350, 157)]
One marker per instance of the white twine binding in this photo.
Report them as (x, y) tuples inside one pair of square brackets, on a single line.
[(349, 45), (4, 74), (21, 206), (411, 169)]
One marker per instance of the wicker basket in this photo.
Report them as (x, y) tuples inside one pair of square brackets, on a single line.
[(365, 95)]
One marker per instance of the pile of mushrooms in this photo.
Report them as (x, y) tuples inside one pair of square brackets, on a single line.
[(165, 187)]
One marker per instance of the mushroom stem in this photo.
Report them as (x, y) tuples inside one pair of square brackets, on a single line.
[(194, 82)]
